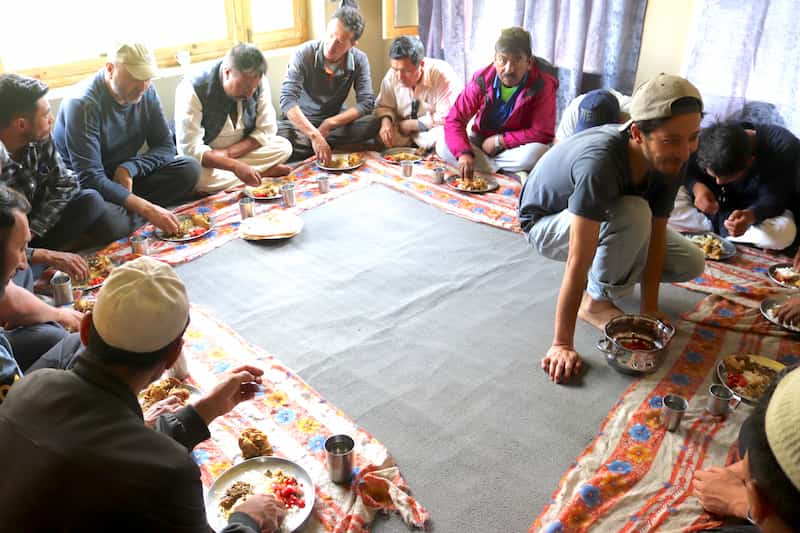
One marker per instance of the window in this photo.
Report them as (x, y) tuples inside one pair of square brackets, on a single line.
[(64, 42)]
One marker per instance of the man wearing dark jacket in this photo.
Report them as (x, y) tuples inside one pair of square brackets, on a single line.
[(739, 184), (80, 455)]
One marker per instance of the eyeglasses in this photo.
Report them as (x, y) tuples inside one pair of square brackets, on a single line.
[(414, 108)]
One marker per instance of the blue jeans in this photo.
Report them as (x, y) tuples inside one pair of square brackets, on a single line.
[(621, 249)]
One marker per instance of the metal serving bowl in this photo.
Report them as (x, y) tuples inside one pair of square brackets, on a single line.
[(635, 344)]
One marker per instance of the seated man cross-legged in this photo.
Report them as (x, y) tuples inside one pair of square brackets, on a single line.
[(600, 201), (63, 216), (224, 118), (415, 97), (513, 104), (740, 184), (100, 132), (81, 432), (761, 491), (317, 82)]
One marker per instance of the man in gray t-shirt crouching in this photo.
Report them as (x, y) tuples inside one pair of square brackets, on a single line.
[(600, 201)]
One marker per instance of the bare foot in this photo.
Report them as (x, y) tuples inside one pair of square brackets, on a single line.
[(597, 312), (276, 171)]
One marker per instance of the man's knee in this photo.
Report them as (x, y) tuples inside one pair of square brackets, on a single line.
[(531, 154), (188, 170), (687, 265), (783, 236), (282, 145), (443, 151), (632, 215)]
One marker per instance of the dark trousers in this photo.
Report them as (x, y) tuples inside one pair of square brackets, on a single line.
[(77, 222), (360, 130), (167, 186), (31, 342), (62, 356)]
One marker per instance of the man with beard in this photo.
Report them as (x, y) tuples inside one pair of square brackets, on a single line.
[(224, 118), (317, 82), (14, 236), (600, 201), (61, 213), (513, 104), (100, 132)]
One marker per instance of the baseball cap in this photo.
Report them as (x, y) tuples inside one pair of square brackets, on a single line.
[(781, 423), (142, 306), (137, 59), (655, 98), (597, 108)]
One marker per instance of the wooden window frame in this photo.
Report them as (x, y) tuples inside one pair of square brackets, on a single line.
[(239, 29), (390, 31)]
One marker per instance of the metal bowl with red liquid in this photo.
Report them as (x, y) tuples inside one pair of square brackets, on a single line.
[(635, 344)]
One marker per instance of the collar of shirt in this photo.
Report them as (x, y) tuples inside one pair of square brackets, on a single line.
[(95, 373), (348, 65)]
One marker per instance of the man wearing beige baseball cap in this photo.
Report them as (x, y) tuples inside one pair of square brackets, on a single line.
[(600, 201), (100, 132), (80, 432), (764, 487)]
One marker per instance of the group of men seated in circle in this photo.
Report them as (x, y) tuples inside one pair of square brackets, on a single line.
[(599, 196)]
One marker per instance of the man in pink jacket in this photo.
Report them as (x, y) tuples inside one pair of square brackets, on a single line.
[(513, 103)]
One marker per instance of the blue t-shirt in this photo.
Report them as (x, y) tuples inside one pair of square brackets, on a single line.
[(587, 173), (94, 135), (9, 370)]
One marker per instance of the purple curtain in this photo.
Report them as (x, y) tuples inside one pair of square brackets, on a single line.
[(593, 43)]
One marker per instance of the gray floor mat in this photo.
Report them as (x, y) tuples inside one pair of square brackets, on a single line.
[(427, 329)]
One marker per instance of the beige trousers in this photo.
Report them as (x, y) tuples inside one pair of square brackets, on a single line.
[(275, 152)]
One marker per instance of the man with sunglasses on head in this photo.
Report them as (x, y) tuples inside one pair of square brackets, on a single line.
[(416, 95), (513, 104)]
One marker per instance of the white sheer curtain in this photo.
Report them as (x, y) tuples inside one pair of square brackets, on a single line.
[(593, 43), (744, 56)]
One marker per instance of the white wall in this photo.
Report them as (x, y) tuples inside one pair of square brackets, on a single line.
[(664, 38)]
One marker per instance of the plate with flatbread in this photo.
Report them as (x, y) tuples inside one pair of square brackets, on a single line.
[(270, 189), (341, 162), (100, 266), (262, 475), (396, 156), (275, 224), (714, 246), (190, 227), (784, 275), (748, 375), (475, 185)]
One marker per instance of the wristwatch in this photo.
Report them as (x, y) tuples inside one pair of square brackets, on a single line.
[(29, 253)]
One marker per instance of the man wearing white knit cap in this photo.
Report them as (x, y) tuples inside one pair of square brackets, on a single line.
[(80, 432), (763, 488)]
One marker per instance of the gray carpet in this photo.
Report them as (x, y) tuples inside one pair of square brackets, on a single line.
[(428, 330)]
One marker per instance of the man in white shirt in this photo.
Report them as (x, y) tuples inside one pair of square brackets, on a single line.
[(224, 118), (416, 95), (595, 108)]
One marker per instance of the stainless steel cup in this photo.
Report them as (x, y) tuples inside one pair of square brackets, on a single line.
[(62, 289), (407, 167), (140, 245), (287, 190), (324, 184), (339, 449), (247, 207), (438, 175), (673, 410), (720, 399)]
